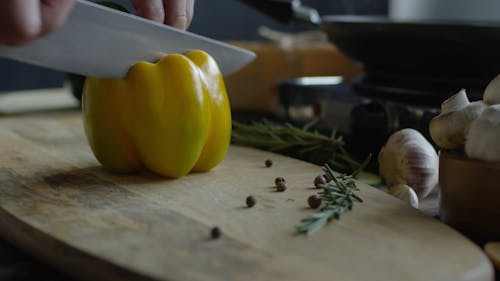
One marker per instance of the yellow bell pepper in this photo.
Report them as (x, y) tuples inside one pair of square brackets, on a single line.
[(171, 117)]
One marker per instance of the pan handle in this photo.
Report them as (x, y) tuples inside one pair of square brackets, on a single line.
[(285, 11)]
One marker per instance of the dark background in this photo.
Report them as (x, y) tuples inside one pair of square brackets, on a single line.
[(219, 19)]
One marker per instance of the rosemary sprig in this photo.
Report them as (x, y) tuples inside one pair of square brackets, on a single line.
[(338, 198), (301, 143)]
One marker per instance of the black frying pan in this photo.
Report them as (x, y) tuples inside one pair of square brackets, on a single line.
[(449, 54)]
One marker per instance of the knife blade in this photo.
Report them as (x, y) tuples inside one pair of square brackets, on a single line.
[(99, 41)]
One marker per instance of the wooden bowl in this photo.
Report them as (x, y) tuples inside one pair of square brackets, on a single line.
[(470, 196), (493, 251)]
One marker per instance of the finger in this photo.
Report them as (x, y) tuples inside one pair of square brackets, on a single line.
[(150, 9), (20, 21), (189, 12), (176, 13), (54, 14)]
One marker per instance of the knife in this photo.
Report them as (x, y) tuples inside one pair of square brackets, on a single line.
[(99, 41)]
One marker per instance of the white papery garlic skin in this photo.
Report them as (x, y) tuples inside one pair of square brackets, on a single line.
[(405, 193), (483, 139), (491, 95), (408, 158), (449, 129)]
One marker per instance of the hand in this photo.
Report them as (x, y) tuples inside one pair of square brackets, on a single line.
[(178, 13), (24, 20)]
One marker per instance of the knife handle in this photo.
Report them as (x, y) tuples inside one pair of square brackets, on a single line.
[(285, 11)]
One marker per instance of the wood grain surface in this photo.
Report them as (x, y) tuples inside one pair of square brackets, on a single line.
[(58, 204)]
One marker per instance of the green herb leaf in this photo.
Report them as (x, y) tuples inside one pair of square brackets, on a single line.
[(338, 197), (300, 143)]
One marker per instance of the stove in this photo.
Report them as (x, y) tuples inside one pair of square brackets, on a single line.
[(368, 109)]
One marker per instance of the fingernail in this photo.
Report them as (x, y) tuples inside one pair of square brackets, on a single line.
[(181, 23)]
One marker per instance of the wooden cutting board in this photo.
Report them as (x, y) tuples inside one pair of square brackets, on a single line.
[(58, 204)]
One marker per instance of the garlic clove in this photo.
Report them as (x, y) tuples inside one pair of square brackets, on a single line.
[(456, 102), (449, 129), (408, 158), (405, 193), (492, 93), (483, 138)]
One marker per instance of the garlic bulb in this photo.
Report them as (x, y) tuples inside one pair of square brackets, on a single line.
[(483, 139), (408, 158), (492, 93), (449, 128), (405, 193)]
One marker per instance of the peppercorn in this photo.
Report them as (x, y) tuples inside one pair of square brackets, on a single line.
[(281, 186), (269, 163), (278, 180), (327, 178), (250, 201), (319, 181), (215, 233), (314, 201)]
